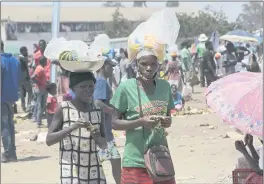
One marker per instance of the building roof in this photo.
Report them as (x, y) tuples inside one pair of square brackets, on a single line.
[(80, 14)]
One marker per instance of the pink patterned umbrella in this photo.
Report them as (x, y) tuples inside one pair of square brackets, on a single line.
[(238, 99), (230, 79)]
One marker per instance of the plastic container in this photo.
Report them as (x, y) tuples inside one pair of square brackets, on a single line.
[(240, 175)]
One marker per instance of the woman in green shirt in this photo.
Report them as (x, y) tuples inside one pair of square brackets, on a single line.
[(156, 100)]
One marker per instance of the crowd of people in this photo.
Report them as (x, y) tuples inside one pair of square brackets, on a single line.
[(134, 96)]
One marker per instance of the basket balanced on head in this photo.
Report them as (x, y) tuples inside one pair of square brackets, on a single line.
[(73, 55), (71, 62)]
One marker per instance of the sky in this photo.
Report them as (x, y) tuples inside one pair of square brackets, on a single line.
[(231, 9)]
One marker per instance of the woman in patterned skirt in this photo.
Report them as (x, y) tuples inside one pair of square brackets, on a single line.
[(79, 161)]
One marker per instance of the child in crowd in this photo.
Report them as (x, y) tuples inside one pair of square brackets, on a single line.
[(177, 98), (40, 80), (51, 101)]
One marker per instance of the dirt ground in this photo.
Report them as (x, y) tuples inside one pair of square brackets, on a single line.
[(201, 154)]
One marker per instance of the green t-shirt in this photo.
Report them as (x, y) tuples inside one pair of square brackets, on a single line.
[(200, 49), (125, 100), (186, 59)]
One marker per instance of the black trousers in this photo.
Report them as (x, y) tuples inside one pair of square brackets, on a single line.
[(209, 77)]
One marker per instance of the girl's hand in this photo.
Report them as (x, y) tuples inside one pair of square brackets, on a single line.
[(240, 146), (248, 140), (81, 123), (95, 132)]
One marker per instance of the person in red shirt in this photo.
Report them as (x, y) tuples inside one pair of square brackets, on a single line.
[(39, 54), (51, 102), (39, 78), (35, 48)]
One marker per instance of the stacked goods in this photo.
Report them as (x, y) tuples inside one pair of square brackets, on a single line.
[(134, 45), (192, 111)]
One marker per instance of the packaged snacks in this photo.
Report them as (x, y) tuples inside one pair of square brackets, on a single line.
[(134, 46)]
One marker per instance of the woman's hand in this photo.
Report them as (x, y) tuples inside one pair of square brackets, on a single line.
[(166, 121), (240, 146), (248, 140), (148, 121)]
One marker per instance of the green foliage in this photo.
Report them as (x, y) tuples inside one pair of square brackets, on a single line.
[(205, 21), (252, 16), (119, 27)]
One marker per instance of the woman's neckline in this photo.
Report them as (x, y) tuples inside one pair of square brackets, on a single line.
[(142, 89)]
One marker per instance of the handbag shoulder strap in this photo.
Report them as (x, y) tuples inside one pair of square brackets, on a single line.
[(141, 115), (139, 101)]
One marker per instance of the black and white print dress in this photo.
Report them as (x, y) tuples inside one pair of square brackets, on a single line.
[(79, 160)]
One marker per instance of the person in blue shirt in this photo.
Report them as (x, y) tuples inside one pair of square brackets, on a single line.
[(177, 98), (102, 96), (10, 82)]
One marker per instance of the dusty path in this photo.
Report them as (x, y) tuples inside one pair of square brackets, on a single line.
[(201, 154)]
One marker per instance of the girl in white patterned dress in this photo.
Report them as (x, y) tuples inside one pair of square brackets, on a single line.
[(79, 160)]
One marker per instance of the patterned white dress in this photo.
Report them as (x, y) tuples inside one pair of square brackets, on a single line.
[(79, 161)]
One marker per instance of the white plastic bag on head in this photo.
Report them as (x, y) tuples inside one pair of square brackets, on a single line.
[(159, 30), (164, 25), (139, 32), (58, 45), (101, 43)]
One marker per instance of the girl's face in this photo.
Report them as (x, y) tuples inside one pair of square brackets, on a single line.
[(84, 91), (148, 66), (53, 91), (108, 70), (35, 48)]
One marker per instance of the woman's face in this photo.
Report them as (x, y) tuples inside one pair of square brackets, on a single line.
[(84, 91), (173, 89), (148, 66), (122, 54)]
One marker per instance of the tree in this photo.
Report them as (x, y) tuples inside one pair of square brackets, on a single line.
[(206, 21), (119, 26), (172, 3), (112, 4), (139, 4), (251, 18)]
